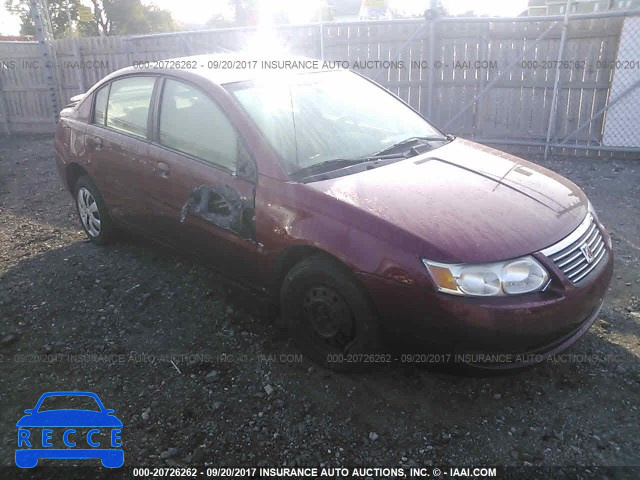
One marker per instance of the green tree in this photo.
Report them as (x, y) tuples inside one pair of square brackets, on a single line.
[(225, 16), (111, 17), (246, 11), (127, 17), (60, 13), (234, 13)]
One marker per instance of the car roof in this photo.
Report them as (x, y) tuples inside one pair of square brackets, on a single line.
[(234, 67)]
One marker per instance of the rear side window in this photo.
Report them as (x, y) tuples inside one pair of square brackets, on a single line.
[(100, 110), (192, 123), (128, 107)]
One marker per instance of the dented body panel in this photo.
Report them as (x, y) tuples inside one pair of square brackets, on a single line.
[(460, 203)]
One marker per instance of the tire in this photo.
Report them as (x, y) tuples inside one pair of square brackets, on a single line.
[(92, 212), (329, 314)]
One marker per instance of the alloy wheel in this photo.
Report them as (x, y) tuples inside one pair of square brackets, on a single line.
[(89, 213)]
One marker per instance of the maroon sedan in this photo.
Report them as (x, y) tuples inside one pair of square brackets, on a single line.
[(358, 217)]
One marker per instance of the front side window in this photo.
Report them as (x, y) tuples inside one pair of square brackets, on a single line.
[(129, 101), (320, 117), (192, 123)]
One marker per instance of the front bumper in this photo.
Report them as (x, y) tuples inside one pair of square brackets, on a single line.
[(499, 361), (523, 329)]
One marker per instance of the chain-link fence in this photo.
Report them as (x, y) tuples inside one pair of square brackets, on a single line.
[(621, 127)]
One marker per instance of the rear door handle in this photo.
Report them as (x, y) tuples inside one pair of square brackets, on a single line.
[(162, 169), (98, 142)]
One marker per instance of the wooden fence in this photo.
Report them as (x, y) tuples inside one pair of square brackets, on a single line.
[(488, 79)]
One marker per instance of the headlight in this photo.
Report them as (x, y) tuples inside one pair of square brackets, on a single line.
[(511, 277)]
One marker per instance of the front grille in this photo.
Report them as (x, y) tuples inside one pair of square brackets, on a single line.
[(580, 253)]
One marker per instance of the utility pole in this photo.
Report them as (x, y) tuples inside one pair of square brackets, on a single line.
[(69, 17), (553, 115), (44, 34)]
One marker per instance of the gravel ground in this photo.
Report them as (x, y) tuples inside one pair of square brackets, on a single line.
[(193, 367)]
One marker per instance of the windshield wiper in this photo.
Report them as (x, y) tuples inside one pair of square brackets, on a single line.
[(411, 141), (342, 163), (311, 172)]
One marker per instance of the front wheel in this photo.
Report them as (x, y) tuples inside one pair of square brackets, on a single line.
[(92, 211), (330, 315)]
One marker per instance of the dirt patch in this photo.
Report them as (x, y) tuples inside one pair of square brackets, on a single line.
[(194, 369)]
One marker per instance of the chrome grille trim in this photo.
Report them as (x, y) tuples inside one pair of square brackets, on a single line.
[(569, 239), (567, 253), (596, 261), (577, 244), (583, 265), (567, 262)]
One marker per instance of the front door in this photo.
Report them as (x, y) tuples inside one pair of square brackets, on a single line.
[(199, 202)]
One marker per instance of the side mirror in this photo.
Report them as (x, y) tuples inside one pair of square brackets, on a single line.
[(109, 411), (29, 411)]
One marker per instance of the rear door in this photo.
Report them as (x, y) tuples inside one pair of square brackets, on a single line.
[(201, 180), (116, 140)]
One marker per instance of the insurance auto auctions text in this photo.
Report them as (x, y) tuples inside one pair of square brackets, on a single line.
[(356, 472)]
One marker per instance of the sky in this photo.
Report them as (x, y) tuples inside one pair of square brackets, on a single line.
[(9, 24), (198, 11)]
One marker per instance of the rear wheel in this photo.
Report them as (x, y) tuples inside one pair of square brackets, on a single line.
[(330, 315), (92, 211)]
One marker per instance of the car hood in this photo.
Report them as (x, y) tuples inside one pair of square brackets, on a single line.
[(467, 202), (69, 418)]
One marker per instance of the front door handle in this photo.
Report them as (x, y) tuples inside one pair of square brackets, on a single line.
[(162, 169), (98, 142)]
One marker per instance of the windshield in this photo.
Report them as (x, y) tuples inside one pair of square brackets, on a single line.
[(319, 117)]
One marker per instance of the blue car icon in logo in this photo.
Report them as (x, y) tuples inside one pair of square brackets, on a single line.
[(41, 427)]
